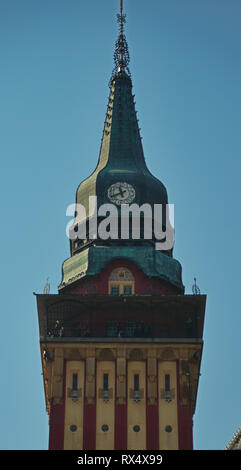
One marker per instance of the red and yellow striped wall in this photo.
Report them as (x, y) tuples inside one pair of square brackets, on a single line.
[(89, 422)]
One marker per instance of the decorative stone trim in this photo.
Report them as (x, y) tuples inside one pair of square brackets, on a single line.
[(136, 395), (106, 395), (74, 394), (168, 396)]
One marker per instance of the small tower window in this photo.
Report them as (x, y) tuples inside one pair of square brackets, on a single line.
[(115, 290), (121, 282), (106, 382), (136, 382), (73, 428), (167, 383), (75, 382), (127, 290), (105, 427)]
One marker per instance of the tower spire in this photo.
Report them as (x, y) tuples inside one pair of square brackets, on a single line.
[(121, 54)]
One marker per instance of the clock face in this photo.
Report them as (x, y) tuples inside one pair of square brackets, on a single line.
[(121, 193)]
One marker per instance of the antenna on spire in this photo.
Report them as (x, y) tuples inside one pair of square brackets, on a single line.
[(121, 54)]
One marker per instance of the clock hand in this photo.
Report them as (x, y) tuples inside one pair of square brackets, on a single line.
[(121, 193)]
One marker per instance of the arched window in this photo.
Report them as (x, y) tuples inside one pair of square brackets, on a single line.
[(121, 282)]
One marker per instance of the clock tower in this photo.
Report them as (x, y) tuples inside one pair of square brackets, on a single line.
[(121, 342)]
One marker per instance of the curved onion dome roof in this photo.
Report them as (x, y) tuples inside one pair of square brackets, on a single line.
[(121, 158)]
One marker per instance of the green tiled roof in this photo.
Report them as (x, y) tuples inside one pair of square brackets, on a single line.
[(92, 260)]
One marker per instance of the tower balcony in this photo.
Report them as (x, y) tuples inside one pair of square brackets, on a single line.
[(134, 318)]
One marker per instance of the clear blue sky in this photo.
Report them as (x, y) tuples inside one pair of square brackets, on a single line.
[(56, 59)]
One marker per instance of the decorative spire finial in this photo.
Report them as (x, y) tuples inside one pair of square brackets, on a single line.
[(47, 287), (195, 288), (121, 54)]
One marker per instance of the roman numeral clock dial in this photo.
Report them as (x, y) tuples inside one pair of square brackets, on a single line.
[(121, 193)]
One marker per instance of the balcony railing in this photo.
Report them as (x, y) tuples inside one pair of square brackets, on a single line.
[(108, 332), (113, 329)]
